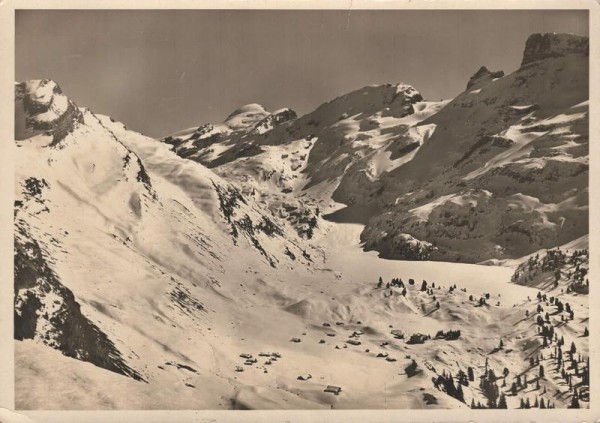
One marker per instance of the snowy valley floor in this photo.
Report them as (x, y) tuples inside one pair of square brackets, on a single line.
[(296, 303)]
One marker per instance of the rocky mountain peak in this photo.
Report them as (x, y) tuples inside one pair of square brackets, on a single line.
[(42, 107), (542, 46), (483, 76), (409, 92)]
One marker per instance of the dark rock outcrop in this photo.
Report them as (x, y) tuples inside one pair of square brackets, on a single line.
[(542, 46), (46, 109), (483, 76), (47, 310)]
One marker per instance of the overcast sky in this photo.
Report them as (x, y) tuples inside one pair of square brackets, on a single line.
[(162, 71)]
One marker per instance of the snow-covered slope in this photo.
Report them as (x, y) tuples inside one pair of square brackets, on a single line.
[(504, 174), (152, 267), (121, 246), (294, 165)]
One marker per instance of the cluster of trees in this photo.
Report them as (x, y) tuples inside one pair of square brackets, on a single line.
[(393, 283), (496, 397), (446, 383), (569, 368), (449, 335), (418, 338), (525, 403), (579, 282), (560, 309), (489, 387), (557, 261)]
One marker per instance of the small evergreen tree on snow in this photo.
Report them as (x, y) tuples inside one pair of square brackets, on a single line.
[(574, 402), (470, 374), (513, 389), (490, 388), (460, 394), (502, 402)]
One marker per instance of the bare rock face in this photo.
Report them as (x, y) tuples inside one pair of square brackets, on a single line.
[(483, 76), (542, 46), (44, 108)]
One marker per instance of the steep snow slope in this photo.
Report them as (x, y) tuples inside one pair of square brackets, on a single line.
[(113, 260), (519, 144)]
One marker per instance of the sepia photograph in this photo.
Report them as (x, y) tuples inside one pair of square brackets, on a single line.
[(301, 209)]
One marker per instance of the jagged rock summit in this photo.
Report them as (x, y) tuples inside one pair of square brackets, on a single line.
[(482, 77)]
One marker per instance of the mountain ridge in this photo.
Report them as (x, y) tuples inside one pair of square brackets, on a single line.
[(361, 144)]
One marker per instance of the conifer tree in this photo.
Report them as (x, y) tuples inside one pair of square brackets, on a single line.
[(470, 374), (502, 402), (574, 402), (460, 394), (513, 389)]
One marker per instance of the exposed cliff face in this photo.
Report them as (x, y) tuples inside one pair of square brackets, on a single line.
[(552, 45)]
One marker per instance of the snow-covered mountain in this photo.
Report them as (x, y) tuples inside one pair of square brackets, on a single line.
[(505, 173), (498, 172), (199, 271)]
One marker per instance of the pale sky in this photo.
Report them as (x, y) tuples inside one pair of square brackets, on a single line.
[(162, 71)]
